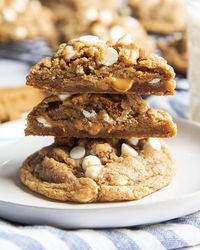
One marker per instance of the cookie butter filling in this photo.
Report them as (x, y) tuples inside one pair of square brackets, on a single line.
[(122, 84)]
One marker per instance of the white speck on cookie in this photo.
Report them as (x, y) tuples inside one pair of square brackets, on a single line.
[(89, 39), (130, 55), (127, 150), (133, 141), (68, 52), (91, 14), (155, 81), (77, 152), (155, 143), (110, 56), (90, 160), (107, 118), (9, 15), (88, 114), (127, 39), (116, 32), (21, 32), (93, 171), (43, 121), (105, 16), (64, 97)]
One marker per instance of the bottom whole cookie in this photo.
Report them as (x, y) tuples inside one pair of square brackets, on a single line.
[(99, 170)]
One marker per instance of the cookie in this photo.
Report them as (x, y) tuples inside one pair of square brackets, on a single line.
[(25, 20), (98, 116), (111, 28), (175, 51), (159, 16), (91, 65), (65, 10), (94, 170), (15, 101)]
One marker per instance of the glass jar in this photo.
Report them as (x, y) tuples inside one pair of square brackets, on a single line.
[(193, 20)]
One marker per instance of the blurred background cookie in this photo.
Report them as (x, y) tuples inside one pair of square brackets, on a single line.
[(25, 20), (100, 18), (26, 29), (15, 101), (174, 50), (112, 29), (159, 16)]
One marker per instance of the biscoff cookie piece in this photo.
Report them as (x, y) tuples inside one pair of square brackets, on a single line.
[(25, 20), (159, 16), (175, 51), (15, 101), (111, 27), (99, 116), (91, 65), (94, 170)]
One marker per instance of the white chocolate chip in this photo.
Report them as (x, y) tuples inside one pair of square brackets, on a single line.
[(105, 16), (154, 81), (19, 5), (91, 14), (77, 152), (127, 150), (21, 32), (133, 141), (80, 70), (93, 171), (69, 52), (122, 181), (88, 114), (107, 118), (43, 121), (116, 32), (64, 97), (9, 15), (89, 39), (127, 39), (133, 22), (110, 57), (155, 143), (130, 55), (90, 160)]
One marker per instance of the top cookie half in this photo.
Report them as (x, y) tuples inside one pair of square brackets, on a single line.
[(91, 65)]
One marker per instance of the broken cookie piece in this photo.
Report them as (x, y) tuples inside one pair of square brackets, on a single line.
[(91, 65), (99, 116)]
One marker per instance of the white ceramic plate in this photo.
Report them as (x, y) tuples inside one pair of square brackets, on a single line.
[(12, 130), (181, 197)]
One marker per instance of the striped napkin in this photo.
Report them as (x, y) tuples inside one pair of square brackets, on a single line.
[(29, 52), (176, 234)]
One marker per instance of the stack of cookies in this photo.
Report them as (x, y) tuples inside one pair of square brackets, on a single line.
[(108, 144)]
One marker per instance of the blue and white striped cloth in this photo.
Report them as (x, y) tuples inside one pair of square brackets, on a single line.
[(176, 234)]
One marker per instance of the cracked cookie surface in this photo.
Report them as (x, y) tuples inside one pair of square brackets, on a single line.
[(95, 170)]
